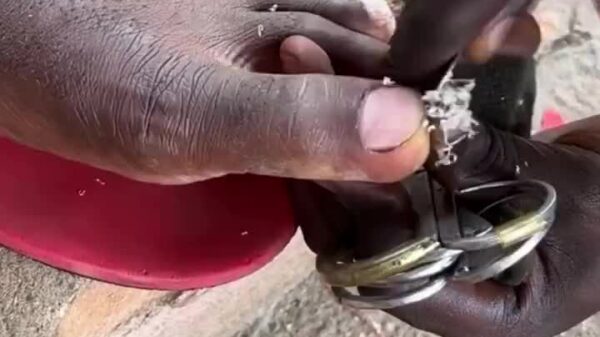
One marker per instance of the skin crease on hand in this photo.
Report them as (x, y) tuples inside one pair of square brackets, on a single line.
[(184, 90)]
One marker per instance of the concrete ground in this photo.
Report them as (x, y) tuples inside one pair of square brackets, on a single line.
[(285, 298), (309, 310)]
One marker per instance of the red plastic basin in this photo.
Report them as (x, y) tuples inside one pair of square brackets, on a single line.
[(101, 225)]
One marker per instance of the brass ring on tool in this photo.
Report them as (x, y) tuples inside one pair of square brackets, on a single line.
[(516, 230), (425, 265), (367, 271), (433, 264), (418, 273)]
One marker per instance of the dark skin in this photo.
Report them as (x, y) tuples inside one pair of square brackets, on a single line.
[(145, 90), (557, 293), (175, 92), (179, 91), (559, 290)]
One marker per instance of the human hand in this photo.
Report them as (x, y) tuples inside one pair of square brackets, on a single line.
[(433, 32), (557, 293), (180, 91)]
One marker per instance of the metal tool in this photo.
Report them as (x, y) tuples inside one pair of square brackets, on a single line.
[(453, 242), (459, 245)]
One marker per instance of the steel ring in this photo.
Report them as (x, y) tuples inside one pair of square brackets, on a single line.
[(516, 230), (389, 301), (500, 265)]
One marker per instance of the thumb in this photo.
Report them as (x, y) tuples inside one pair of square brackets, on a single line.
[(315, 127)]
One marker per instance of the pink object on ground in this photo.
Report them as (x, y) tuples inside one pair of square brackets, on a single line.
[(104, 226), (551, 119)]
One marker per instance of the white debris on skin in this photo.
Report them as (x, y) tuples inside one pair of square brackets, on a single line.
[(261, 30), (518, 169), (388, 81), (428, 126), (447, 109), (273, 8)]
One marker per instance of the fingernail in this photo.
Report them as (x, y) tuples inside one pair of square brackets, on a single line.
[(488, 43), (496, 36), (300, 55), (522, 39), (290, 63), (390, 116), (382, 22)]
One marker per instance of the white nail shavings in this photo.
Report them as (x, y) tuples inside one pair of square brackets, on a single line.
[(428, 126), (261, 30), (273, 8), (388, 81), (447, 110)]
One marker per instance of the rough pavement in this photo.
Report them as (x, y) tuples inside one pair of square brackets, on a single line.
[(32, 296)]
